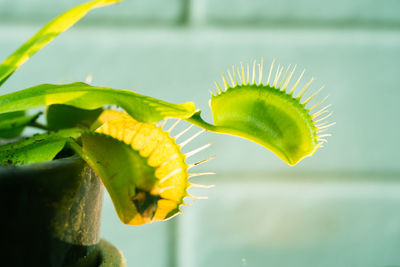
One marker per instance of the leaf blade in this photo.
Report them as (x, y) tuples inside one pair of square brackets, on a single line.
[(81, 95), (45, 35), (63, 116), (38, 148), (13, 123)]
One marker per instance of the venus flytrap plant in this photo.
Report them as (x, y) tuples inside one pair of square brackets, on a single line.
[(140, 164)]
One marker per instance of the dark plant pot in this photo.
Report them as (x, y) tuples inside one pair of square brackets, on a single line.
[(50, 214)]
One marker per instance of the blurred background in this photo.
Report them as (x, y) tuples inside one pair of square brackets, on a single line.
[(337, 208)]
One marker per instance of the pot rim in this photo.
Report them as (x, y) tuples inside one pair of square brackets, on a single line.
[(41, 165)]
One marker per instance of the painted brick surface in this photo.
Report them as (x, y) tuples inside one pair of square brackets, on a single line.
[(149, 11), (293, 221), (309, 11), (358, 68)]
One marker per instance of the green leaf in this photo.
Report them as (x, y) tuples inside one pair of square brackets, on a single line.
[(38, 148), (120, 168), (141, 166), (81, 95), (63, 116), (13, 123), (46, 35)]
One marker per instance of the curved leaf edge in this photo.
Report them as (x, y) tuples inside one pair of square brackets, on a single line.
[(45, 35), (81, 95)]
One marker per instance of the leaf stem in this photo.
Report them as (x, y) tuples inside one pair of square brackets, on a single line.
[(198, 121), (38, 125), (78, 150)]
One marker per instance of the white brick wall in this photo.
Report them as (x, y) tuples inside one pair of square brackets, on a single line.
[(314, 12), (310, 222), (138, 11)]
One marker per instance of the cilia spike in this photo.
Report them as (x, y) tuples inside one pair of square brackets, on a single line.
[(155, 182), (187, 141), (273, 114), (200, 162)]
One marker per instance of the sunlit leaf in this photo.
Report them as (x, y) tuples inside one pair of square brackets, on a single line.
[(38, 148), (46, 35), (81, 95)]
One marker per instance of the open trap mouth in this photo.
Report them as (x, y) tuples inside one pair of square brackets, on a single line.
[(156, 177)]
